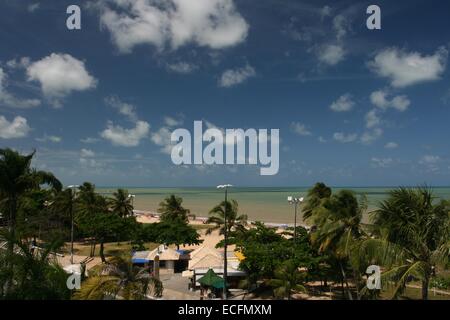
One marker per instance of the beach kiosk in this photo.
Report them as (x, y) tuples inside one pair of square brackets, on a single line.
[(170, 260)]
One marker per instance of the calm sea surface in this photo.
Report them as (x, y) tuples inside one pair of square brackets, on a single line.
[(264, 204)]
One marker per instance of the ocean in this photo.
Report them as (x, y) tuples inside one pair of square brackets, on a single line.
[(259, 203)]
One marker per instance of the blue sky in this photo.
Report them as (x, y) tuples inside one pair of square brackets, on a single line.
[(354, 107)]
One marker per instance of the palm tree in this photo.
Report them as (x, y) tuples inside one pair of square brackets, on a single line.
[(338, 227), (171, 209), (90, 207), (119, 278), (288, 280), (36, 275), (16, 179), (235, 222), (415, 222), (121, 203), (314, 199)]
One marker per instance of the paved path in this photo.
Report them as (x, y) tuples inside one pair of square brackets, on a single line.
[(176, 288)]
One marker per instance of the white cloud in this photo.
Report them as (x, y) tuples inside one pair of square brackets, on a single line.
[(391, 145), (89, 140), (87, 153), (231, 78), (331, 54), (322, 139), (430, 159), (343, 138), (211, 23), (325, 12), (33, 7), (372, 119), (343, 103), (181, 67), (380, 99), (126, 137), (300, 129), (47, 138), (341, 26), (162, 138), (59, 75), (370, 136), (431, 162), (23, 62), (172, 122), (409, 68), (123, 108), (382, 162), (17, 128), (9, 100)]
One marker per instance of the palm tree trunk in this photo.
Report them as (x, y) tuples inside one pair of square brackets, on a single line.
[(425, 284), (102, 255), (344, 279), (10, 246)]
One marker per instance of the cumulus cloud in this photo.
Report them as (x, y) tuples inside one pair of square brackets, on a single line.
[(409, 68), (372, 135), (331, 54), (233, 77), (60, 75), (33, 7), (430, 162), (17, 128), (89, 140), (343, 103), (345, 138), (17, 63), (372, 119), (172, 122), (126, 137), (47, 138), (87, 153), (9, 100), (381, 99), (341, 26), (123, 108), (181, 67), (210, 23), (162, 138), (381, 162), (391, 145), (300, 129)]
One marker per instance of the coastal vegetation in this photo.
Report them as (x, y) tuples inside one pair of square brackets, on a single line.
[(407, 235)]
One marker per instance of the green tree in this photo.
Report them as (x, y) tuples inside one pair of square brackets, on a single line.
[(171, 209), (419, 225), (315, 198), (176, 232), (339, 226), (35, 275), (121, 203), (235, 221), (288, 279), (16, 179), (119, 278)]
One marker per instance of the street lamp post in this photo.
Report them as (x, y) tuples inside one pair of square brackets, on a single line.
[(225, 238), (295, 202), (72, 198), (132, 196)]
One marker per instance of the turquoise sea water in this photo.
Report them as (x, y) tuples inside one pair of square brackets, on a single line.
[(262, 203)]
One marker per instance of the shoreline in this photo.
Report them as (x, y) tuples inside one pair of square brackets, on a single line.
[(152, 215)]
